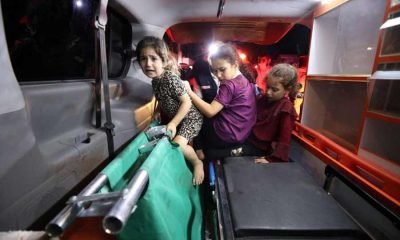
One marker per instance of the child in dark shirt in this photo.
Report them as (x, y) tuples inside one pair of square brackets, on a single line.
[(270, 136)]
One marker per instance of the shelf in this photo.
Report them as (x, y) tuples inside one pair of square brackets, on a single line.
[(388, 59), (341, 78), (385, 100), (395, 6), (374, 176), (339, 140), (390, 46), (384, 116), (381, 137), (384, 163), (391, 30)]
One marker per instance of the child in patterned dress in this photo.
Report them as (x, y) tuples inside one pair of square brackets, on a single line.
[(185, 120)]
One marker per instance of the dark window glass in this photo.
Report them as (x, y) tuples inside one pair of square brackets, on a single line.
[(119, 33), (55, 39)]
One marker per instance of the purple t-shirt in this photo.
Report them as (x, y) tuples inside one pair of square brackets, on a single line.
[(234, 122)]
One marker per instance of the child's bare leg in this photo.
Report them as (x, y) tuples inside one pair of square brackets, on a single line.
[(190, 154)]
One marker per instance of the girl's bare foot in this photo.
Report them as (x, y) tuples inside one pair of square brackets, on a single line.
[(198, 173)]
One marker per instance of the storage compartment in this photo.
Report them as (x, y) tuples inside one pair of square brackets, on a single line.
[(334, 109), (381, 138), (391, 38), (342, 40), (385, 98)]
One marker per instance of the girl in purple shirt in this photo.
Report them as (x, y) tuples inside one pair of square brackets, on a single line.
[(233, 111)]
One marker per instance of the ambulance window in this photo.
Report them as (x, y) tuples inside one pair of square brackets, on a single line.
[(54, 39), (120, 38)]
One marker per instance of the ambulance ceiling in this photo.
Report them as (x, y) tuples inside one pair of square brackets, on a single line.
[(264, 33), (257, 21)]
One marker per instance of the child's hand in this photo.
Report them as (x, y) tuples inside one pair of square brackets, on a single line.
[(261, 160), (171, 127)]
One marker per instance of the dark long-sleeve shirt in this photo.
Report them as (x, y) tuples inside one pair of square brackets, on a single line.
[(273, 128)]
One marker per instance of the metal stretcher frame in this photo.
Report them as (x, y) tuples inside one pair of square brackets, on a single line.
[(225, 225), (331, 172)]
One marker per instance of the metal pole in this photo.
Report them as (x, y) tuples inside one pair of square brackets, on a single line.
[(115, 220), (57, 226)]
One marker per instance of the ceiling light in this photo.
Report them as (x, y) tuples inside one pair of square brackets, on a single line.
[(212, 49), (78, 3)]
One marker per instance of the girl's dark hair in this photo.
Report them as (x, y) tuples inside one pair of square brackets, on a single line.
[(228, 52), (287, 75), (157, 44), (248, 71)]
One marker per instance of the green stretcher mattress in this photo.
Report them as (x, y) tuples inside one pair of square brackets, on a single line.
[(170, 207)]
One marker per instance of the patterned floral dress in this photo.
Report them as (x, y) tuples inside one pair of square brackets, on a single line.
[(167, 89)]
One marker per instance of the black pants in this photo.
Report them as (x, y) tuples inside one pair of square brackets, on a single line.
[(216, 148), (209, 140)]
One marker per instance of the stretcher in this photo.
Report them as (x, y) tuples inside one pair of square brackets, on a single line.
[(146, 192), (276, 201)]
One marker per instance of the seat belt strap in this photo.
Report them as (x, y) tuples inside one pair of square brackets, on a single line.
[(100, 23), (97, 86)]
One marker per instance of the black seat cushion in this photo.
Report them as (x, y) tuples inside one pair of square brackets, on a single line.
[(281, 199)]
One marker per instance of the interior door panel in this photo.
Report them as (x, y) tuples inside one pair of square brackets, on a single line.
[(62, 146)]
